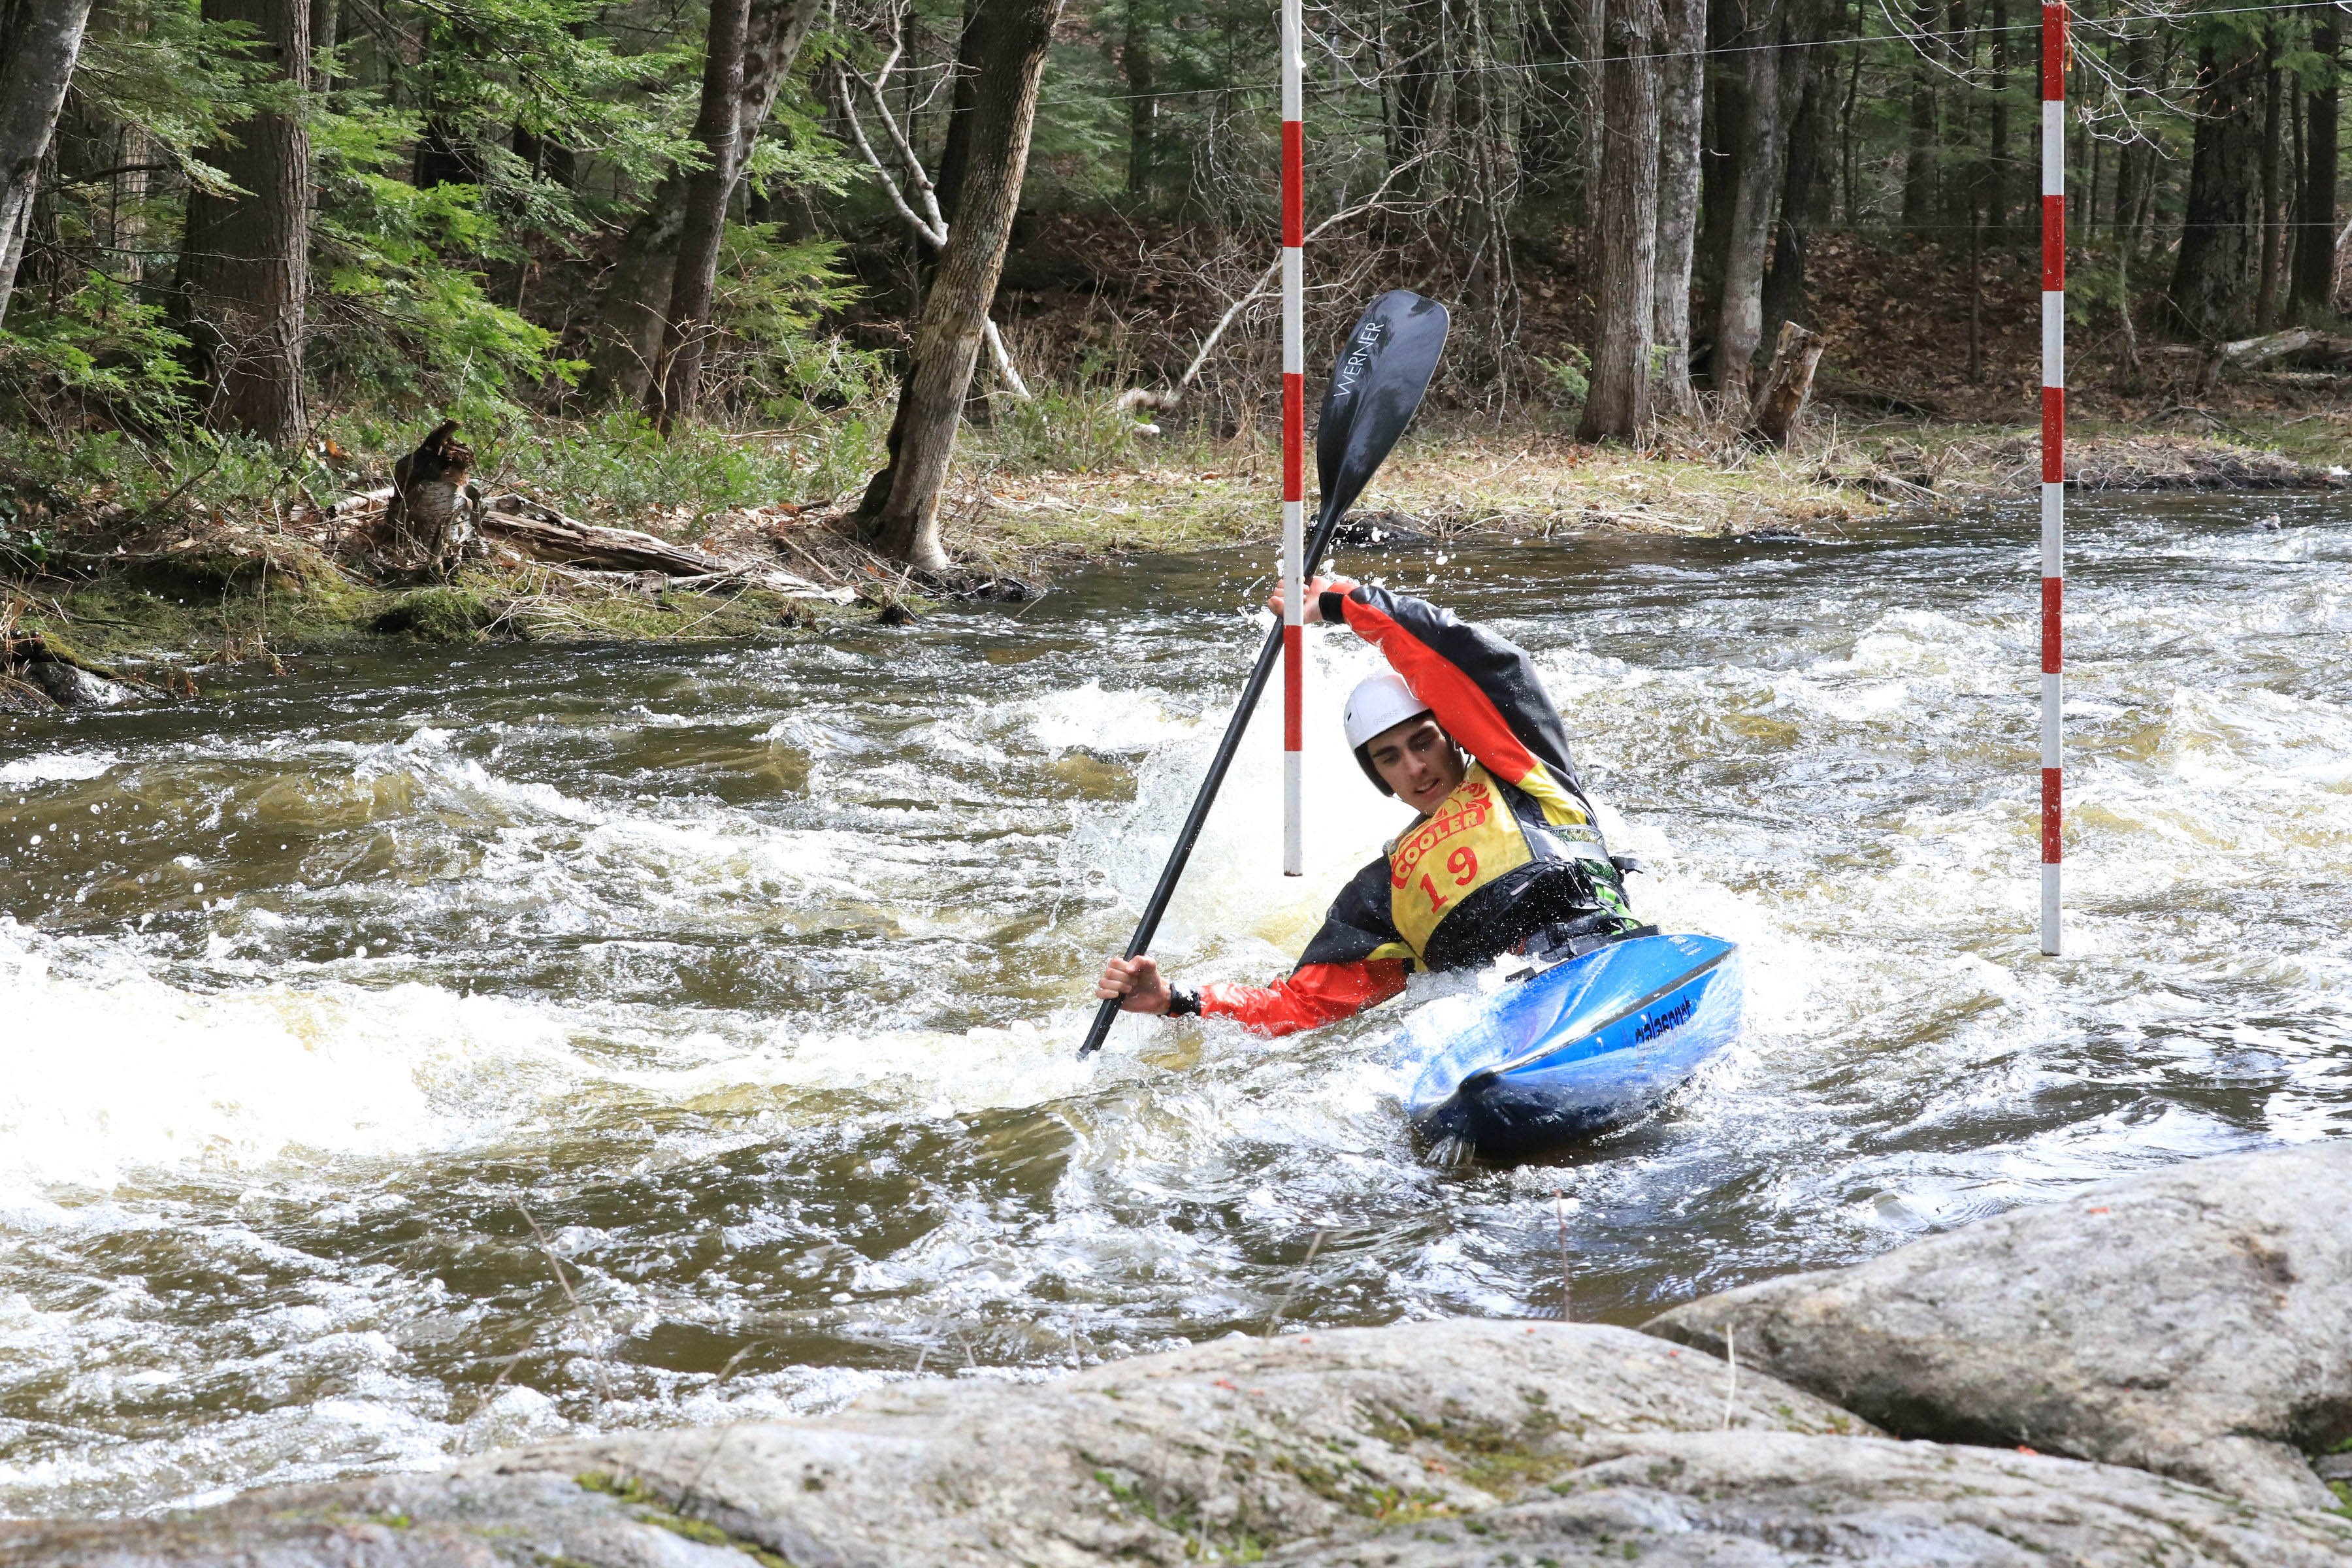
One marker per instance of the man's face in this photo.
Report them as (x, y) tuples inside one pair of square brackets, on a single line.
[(1418, 761)]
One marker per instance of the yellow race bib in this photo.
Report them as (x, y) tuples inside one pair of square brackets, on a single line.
[(1468, 841)]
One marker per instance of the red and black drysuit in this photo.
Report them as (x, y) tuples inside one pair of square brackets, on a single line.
[(1484, 693)]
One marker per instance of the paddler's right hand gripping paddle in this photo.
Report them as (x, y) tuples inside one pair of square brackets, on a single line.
[(1383, 370)]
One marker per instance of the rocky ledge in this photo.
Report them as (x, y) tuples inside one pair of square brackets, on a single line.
[(2186, 1337)]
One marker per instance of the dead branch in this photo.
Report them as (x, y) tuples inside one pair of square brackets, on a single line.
[(930, 225), (1169, 398)]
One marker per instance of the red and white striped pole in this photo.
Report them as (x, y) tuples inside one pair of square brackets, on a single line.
[(2053, 450), (1294, 438)]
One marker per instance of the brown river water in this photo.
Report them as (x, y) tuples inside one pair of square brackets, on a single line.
[(340, 1008)]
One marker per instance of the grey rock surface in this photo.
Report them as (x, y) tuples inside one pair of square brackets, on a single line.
[(1771, 1501), (1422, 1446), (2197, 1322), (390, 1522), (1229, 1448), (1232, 1445)]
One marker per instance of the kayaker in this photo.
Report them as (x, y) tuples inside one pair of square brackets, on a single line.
[(1506, 856)]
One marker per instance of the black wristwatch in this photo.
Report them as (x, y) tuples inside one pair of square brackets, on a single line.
[(1182, 1002)]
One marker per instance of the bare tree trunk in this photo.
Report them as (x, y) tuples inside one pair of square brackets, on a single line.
[(2136, 160), (678, 375), (1919, 155), (1853, 205), (1956, 49), (955, 151), (1756, 147), (1724, 112), (627, 338), (626, 343), (1626, 222), (2314, 250), (2266, 286), (39, 42), (245, 259), (1806, 81), (1142, 104), (1998, 179), (905, 523), (1592, 20), (1681, 108), (2212, 276)]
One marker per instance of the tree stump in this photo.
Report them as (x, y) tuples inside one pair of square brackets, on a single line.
[(1788, 385), (430, 519)]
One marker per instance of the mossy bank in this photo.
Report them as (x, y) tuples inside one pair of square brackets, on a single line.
[(156, 589)]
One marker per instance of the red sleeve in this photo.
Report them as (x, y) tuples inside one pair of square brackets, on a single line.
[(1313, 996), (1482, 688)]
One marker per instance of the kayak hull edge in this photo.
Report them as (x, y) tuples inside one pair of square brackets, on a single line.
[(1580, 1047)]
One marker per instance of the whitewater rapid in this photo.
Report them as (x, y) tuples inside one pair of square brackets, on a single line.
[(743, 986)]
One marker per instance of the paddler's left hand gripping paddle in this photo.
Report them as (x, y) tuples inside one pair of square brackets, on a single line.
[(1383, 371)]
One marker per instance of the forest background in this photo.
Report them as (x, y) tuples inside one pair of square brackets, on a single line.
[(659, 260)]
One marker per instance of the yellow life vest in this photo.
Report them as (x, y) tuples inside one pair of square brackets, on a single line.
[(1472, 838)]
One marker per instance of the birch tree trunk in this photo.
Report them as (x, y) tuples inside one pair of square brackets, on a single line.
[(901, 508), (1625, 222), (244, 258), (39, 41), (678, 375), (1682, 88)]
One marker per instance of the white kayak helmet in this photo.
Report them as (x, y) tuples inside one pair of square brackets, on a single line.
[(1380, 701)]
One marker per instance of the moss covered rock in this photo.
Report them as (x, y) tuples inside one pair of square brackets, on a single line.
[(450, 616)]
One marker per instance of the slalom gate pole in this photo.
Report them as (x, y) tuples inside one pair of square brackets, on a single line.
[(2053, 453), (1384, 370), (1294, 439)]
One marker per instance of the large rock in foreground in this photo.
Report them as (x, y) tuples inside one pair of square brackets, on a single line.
[(1427, 1444), (2196, 1322), (1729, 1501)]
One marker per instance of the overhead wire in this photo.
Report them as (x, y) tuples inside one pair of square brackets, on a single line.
[(2108, 26)]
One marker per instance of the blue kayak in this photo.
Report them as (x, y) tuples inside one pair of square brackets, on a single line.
[(1572, 1049)]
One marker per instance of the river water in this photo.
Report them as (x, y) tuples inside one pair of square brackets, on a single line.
[(422, 1052)]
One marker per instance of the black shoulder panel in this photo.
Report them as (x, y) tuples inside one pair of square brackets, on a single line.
[(1357, 924)]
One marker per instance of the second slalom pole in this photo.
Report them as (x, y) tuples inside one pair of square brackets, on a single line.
[(1294, 438)]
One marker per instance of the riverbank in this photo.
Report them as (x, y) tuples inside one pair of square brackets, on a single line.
[(2144, 1371), (112, 579)]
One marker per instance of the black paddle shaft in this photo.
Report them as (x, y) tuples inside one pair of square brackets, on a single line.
[(1377, 386)]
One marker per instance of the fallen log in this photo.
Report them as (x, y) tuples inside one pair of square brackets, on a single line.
[(547, 534), (2300, 347), (1788, 385), (2323, 353)]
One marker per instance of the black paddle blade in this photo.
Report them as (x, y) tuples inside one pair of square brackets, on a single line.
[(1385, 368)]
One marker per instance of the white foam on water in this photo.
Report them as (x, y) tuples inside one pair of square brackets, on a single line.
[(160, 1079), (55, 767)]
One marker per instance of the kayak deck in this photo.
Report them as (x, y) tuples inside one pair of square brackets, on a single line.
[(1576, 1048)]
